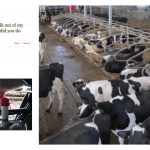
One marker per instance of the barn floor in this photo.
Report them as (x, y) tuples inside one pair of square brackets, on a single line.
[(75, 67)]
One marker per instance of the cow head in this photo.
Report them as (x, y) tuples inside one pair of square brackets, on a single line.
[(83, 48), (137, 135), (139, 48), (59, 29), (78, 84), (114, 66), (105, 59), (127, 73)]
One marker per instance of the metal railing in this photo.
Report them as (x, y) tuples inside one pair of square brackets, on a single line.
[(115, 56), (126, 29), (143, 63)]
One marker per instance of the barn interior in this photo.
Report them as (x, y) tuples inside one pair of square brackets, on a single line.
[(86, 64)]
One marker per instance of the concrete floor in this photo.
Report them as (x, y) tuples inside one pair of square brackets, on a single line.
[(74, 67)]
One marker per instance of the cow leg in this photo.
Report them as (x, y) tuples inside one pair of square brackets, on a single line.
[(41, 57), (61, 98), (59, 86), (51, 99), (121, 140)]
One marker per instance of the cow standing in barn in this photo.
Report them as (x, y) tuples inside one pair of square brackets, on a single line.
[(139, 134), (126, 111), (103, 90), (95, 129), (43, 17), (48, 13), (51, 82)]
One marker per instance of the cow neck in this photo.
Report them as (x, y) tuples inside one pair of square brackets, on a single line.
[(80, 90)]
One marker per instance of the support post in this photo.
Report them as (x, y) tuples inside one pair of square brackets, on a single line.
[(85, 11), (110, 15), (70, 9), (90, 10), (110, 18)]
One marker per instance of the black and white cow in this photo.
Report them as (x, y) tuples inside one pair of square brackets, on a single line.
[(139, 134), (128, 110), (111, 65), (70, 28), (48, 13), (108, 41), (79, 29), (101, 42), (103, 90), (66, 32), (58, 24), (41, 46), (93, 36), (59, 29), (125, 111), (129, 72), (131, 38), (95, 129), (50, 82), (45, 17)]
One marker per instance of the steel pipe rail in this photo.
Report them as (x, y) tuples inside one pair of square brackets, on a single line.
[(115, 56), (123, 39), (123, 28), (127, 62), (84, 30), (145, 67), (117, 27)]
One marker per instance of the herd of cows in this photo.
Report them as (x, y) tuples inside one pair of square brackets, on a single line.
[(118, 106), (96, 42)]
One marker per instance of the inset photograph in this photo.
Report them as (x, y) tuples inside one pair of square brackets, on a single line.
[(16, 104), (94, 74)]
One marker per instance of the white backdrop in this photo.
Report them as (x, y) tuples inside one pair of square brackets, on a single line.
[(21, 61)]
